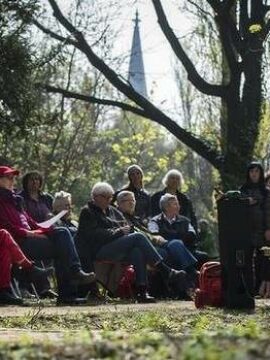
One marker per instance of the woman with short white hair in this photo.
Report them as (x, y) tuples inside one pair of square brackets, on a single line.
[(63, 201), (102, 188), (173, 182)]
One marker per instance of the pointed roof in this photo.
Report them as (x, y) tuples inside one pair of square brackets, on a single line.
[(136, 75)]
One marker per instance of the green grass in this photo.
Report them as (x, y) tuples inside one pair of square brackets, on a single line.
[(210, 334)]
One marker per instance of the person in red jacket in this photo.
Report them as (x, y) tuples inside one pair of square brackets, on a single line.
[(11, 254), (41, 244)]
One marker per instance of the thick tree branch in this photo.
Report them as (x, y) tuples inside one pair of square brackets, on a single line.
[(228, 5), (226, 22), (215, 4), (193, 75), (227, 42), (198, 145), (92, 99)]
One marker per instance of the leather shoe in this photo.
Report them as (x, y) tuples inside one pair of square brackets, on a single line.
[(144, 298), (81, 277), (177, 275), (70, 301), (7, 298), (48, 294)]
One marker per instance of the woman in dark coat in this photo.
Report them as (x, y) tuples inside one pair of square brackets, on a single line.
[(259, 200)]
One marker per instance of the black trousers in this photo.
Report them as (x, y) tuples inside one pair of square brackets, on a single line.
[(59, 247)]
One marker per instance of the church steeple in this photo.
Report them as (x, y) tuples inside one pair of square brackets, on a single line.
[(136, 75)]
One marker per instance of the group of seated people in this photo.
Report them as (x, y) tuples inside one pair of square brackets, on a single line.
[(155, 234)]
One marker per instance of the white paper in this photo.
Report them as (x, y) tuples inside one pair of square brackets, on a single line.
[(48, 223)]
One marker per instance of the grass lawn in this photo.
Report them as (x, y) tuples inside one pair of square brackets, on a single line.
[(167, 330)]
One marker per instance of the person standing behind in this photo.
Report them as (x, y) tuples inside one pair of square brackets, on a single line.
[(142, 197), (173, 182), (38, 203), (259, 200)]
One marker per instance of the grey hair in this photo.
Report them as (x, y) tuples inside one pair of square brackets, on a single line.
[(170, 173), (165, 199), (101, 188), (123, 195), (58, 200)]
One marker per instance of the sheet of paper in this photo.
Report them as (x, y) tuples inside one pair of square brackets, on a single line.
[(48, 223)]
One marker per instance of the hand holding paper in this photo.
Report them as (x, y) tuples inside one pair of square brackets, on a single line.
[(47, 224)]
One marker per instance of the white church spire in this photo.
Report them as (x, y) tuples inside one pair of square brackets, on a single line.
[(136, 74)]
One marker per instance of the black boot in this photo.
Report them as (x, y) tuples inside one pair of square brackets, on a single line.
[(143, 297), (169, 274), (7, 298), (81, 277)]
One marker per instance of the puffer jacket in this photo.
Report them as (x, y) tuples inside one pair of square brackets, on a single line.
[(259, 213)]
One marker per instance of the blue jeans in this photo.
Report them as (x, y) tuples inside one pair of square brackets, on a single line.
[(59, 246), (177, 255), (134, 249)]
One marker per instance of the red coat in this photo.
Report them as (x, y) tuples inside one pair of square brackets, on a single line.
[(13, 217)]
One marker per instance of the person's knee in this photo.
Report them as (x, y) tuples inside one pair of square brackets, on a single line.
[(60, 230), (176, 244), (140, 238), (62, 234)]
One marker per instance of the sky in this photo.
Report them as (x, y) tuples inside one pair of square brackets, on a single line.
[(158, 57)]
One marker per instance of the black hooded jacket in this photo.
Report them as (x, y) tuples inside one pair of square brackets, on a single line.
[(260, 211)]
